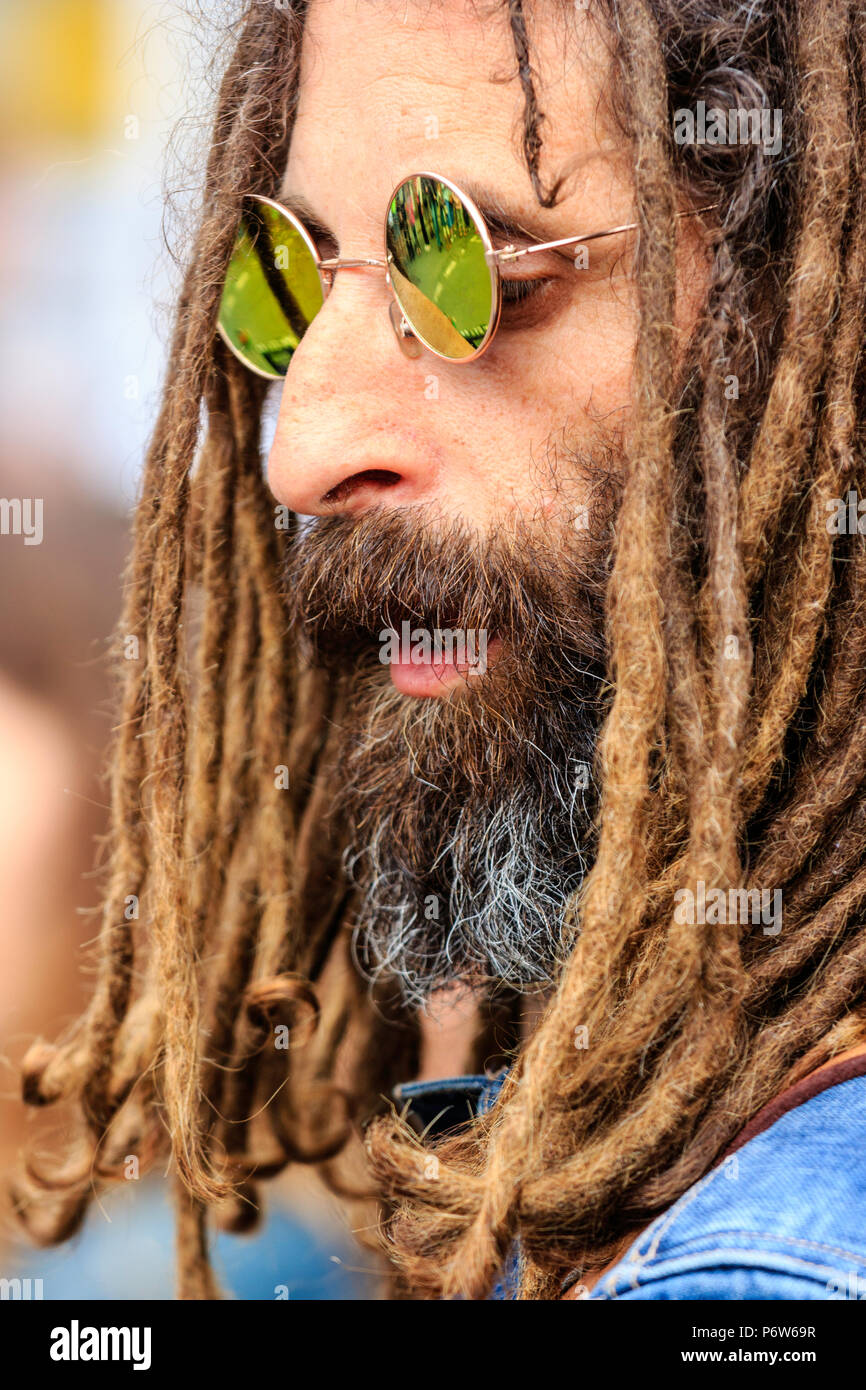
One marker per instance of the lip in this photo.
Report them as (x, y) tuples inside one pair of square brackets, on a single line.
[(432, 679)]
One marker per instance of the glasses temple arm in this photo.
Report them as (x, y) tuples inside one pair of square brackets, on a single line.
[(338, 263), (509, 253)]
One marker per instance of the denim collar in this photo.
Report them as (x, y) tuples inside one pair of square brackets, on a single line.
[(435, 1107)]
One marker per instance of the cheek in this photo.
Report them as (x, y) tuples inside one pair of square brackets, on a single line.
[(570, 381), (502, 441)]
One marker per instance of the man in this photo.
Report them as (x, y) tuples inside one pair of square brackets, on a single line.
[(568, 303)]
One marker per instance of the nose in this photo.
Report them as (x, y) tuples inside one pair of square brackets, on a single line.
[(347, 436)]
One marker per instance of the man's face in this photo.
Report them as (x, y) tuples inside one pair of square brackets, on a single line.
[(388, 89), (462, 495)]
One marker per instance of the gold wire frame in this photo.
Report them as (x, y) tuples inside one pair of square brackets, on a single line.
[(404, 329)]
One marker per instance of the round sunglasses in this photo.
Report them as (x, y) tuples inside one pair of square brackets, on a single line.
[(441, 266)]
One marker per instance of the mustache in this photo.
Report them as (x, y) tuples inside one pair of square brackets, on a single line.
[(539, 587)]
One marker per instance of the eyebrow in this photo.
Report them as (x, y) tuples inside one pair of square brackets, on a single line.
[(504, 223), (304, 210)]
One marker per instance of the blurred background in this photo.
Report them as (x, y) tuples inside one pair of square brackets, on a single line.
[(102, 103)]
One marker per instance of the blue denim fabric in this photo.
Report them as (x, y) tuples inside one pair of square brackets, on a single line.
[(783, 1218), (438, 1105)]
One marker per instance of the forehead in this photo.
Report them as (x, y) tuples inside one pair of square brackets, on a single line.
[(390, 87)]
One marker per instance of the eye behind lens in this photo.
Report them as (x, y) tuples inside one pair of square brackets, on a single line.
[(437, 264), (272, 290)]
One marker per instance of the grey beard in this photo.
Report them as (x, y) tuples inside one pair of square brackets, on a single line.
[(461, 879), (469, 817)]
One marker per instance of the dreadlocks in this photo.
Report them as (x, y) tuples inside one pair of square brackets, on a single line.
[(733, 753)]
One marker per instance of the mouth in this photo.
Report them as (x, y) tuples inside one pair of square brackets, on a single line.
[(423, 670), (438, 607)]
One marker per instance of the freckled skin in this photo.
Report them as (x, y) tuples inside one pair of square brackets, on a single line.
[(376, 79)]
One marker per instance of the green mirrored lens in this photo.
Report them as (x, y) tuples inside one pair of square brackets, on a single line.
[(437, 267), (272, 290)]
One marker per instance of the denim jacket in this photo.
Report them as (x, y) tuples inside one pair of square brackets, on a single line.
[(783, 1217)]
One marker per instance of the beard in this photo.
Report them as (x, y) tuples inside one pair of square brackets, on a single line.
[(469, 817)]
